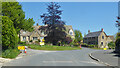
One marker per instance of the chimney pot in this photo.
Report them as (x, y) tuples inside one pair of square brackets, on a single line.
[(88, 31), (102, 29)]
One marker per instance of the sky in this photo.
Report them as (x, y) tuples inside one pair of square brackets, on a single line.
[(82, 16)]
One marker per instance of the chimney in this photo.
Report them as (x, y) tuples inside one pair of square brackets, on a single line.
[(102, 29), (88, 31)]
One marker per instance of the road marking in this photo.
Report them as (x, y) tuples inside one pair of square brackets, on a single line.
[(57, 61)]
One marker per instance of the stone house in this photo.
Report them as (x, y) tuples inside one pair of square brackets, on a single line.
[(40, 34), (98, 38)]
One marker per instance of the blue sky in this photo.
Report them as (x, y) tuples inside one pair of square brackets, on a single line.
[(82, 16)]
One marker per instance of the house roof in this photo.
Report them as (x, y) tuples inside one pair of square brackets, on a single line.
[(24, 33), (112, 38), (93, 34), (38, 29)]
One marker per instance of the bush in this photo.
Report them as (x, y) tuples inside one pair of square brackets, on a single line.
[(84, 44), (9, 34), (38, 40), (76, 44), (10, 53), (30, 41), (22, 42), (68, 40), (111, 45)]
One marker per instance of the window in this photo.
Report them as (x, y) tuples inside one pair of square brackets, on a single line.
[(41, 37), (24, 32), (24, 38), (93, 37), (71, 32), (101, 43), (34, 38), (102, 37)]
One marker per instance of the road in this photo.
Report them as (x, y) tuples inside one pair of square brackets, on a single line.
[(56, 58)]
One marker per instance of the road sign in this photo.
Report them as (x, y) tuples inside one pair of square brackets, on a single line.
[(21, 47), (105, 48), (42, 43), (43, 40)]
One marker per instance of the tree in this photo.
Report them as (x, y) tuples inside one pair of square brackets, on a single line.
[(15, 13), (117, 35), (9, 34), (55, 28), (28, 25), (78, 36), (111, 45)]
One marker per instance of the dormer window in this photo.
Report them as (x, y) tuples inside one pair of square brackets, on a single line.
[(71, 32)]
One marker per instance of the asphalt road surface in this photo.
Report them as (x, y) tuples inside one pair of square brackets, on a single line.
[(56, 58)]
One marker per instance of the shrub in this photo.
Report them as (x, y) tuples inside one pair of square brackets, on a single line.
[(10, 53), (111, 45), (21, 42), (76, 44), (30, 41), (9, 34), (38, 40), (68, 40)]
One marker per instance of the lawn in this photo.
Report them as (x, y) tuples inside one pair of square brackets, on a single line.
[(54, 48)]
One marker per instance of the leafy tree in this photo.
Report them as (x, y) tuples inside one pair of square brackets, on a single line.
[(9, 34), (55, 28), (78, 36), (118, 35), (15, 13), (28, 25)]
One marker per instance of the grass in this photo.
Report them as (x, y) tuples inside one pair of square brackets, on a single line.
[(53, 48), (97, 48), (10, 53)]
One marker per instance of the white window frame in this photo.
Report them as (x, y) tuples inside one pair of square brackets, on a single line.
[(71, 32), (34, 38), (24, 37)]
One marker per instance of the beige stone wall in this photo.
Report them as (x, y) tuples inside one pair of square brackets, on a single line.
[(35, 34), (102, 40), (21, 38), (91, 40)]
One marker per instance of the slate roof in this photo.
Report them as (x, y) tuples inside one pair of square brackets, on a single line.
[(93, 34), (36, 28), (24, 33)]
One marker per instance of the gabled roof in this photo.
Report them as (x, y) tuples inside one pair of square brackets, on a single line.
[(93, 34), (24, 33)]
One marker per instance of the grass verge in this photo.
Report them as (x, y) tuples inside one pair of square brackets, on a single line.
[(54, 48), (97, 48), (10, 53)]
